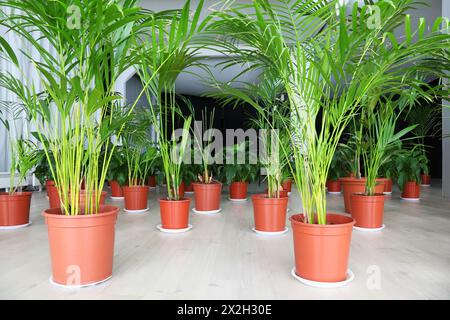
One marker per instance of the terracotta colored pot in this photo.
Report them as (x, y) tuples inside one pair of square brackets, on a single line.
[(238, 190), (53, 197), (189, 188), (334, 186), (116, 189), (354, 185), (135, 197), (367, 210), (425, 179), (287, 185), (388, 185), (49, 183), (207, 196), (81, 247), (269, 213), (84, 195), (174, 214), (322, 251), (83, 184), (411, 190), (283, 193), (151, 181), (14, 209)]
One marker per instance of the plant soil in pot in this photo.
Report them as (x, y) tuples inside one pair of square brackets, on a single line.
[(207, 196), (81, 246), (174, 213), (411, 190), (135, 197), (15, 209), (151, 181), (425, 180), (269, 213), (353, 185), (367, 210), (334, 186), (322, 251), (238, 190)]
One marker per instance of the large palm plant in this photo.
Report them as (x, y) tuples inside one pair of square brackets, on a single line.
[(88, 48), (168, 42), (330, 63)]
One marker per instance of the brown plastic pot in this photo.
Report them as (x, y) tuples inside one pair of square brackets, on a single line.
[(283, 193), (411, 190), (14, 209), (82, 246), (49, 183), (116, 189), (388, 186), (334, 186), (354, 185), (53, 197), (322, 251), (425, 179), (269, 213), (174, 214), (151, 182), (207, 196), (367, 210), (135, 197), (238, 190), (189, 188), (287, 185), (84, 195)]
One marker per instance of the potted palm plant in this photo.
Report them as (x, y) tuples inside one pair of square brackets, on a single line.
[(409, 165), (306, 45), (15, 204), (207, 190), (169, 45), (77, 114), (367, 208), (117, 173), (139, 155), (236, 174), (424, 116)]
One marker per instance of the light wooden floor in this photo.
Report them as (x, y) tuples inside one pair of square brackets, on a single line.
[(221, 258)]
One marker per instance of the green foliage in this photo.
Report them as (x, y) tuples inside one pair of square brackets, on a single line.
[(118, 169), (409, 165), (340, 165), (237, 171)]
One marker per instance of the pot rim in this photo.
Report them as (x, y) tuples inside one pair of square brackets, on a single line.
[(265, 196), (362, 195), (109, 211), (134, 187), (174, 201), (207, 184), (16, 194), (326, 226)]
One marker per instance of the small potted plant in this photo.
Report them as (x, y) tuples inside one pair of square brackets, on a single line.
[(139, 155), (117, 173), (207, 190), (161, 60), (238, 175), (409, 165), (367, 208), (15, 204)]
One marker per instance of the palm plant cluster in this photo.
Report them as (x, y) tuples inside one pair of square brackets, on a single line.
[(323, 66)]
